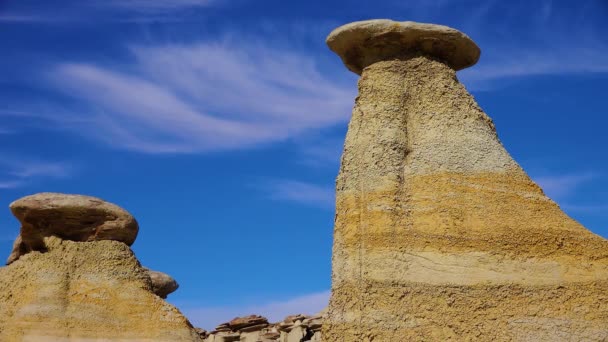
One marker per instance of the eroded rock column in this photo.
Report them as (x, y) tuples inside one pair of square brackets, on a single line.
[(72, 277), (439, 234)]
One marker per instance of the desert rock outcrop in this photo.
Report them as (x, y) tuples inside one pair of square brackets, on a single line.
[(83, 290), (439, 234), (254, 328), (69, 217)]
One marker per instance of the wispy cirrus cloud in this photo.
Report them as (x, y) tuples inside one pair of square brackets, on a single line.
[(11, 184), (203, 97), (301, 192), (560, 186), (517, 62), (275, 311), (240, 93), (16, 172), (321, 152), (103, 10), (539, 44), (21, 18), (566, 189), (28, 169)]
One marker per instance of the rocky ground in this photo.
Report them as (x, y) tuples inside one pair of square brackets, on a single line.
[(296, 328)]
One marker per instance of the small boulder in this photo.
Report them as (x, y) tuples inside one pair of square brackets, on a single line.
[(270, 335), (294, 318), (202, 333), (162, 283), (247, 321)]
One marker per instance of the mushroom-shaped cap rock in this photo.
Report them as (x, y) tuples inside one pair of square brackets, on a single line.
[(363, 43), (69, 217)]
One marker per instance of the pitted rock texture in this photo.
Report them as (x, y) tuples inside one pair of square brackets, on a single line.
[(85, 291), (440, 235), (69, 217)]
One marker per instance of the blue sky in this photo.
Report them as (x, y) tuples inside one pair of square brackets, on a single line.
[(219, 124)]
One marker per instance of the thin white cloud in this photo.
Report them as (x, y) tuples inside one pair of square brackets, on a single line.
[(108, 10), (540, 44), (28, 169), (11, 184), (521, 62), (7, 112), (19, 18), (209, 317), (18, 172), (321, 152), (301, 192), (204, 97), (564, 188), (560, 186)]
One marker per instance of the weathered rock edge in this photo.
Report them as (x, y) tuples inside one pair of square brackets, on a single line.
[(363, 43)]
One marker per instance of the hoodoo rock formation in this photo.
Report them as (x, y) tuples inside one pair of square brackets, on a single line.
[(439, 234), (69, 217), (74, 277)]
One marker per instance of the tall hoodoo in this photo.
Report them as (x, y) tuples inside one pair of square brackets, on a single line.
[(439, 233)]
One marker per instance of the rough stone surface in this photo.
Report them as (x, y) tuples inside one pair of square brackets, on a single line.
[(440, 235), (247, 321), (162, 283), (69, 217), (254, 328), (85, 291), (363, 43)]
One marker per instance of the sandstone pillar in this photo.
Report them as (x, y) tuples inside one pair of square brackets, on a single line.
[(439, 233)]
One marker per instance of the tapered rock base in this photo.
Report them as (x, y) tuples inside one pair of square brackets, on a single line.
[(440, 235)]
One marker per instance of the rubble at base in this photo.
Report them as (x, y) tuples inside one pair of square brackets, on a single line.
[(253, 328)]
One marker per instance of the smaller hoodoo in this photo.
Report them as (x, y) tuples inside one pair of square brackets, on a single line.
[(72, 276)]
